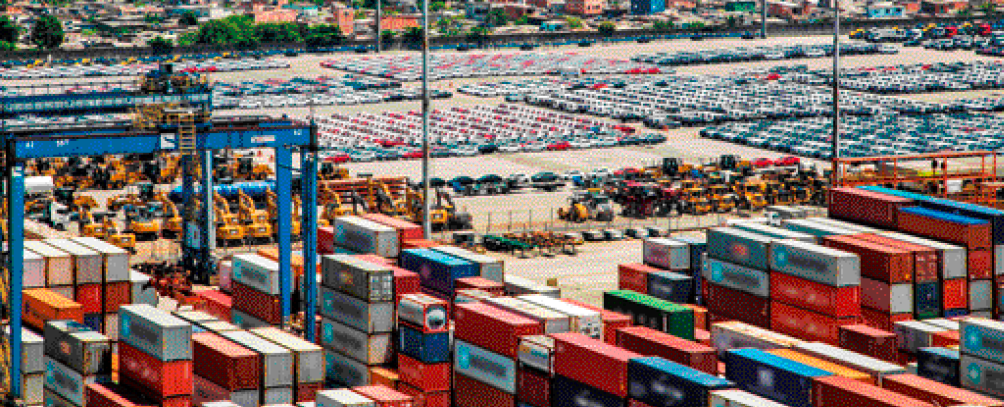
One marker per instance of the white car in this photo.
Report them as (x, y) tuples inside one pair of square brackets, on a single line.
[(888, 49), (466, 151)]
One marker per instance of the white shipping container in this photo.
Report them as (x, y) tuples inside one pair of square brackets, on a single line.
[(34, 270), (273, 396), (342, 398), (815, 228), (844, 225), (88, 265), (308, 357), (734, 335), (980, 295), (490, 268), (554, 322), (943, 323), (364, 236), (277, 362), (371, 349), (115, 259), (853, 360), (913, 335), (32, 350), (257, 272), (583, 321), (58, 264), (354, 312), (156, 332), (515, 285), (953, 258), (739, 398), (32, 386), (773, 231), (39, 185), (889, 298), (666, 254), (815, 263), (209, 394), (142, 292)]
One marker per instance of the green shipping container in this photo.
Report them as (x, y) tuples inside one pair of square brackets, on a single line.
[(652, 312)]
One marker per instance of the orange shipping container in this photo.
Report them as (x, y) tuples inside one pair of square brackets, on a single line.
[(831, 367), (935, 392), (418, 244), (41, 305)]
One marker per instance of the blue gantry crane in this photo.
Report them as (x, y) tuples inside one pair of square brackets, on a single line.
[(172, 113)]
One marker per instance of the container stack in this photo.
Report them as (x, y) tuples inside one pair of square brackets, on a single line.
[(424, 349), (357, 308), (674, 274), (58, 268), (535, 370), (736, 278), (610, 320), (225, 370), (86, 268), (308, 362), (32, 366), (438, 272), (155, 355), (365, 236), (256, 299), (117, 289), (982, 356), (485, 352), (276, 377)]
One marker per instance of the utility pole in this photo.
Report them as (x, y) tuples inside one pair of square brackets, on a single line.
[(835, 156), (763, 18), (379, 25), (426, 201)]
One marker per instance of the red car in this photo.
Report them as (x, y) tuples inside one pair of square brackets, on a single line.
[(763, 162), (559, 146), (338, 159), (412, 154), (787, 160)]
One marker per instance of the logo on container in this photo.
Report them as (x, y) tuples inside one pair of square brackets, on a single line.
[(973, 338), (975, 373), (716, 272), (584, 399), (740, 251)]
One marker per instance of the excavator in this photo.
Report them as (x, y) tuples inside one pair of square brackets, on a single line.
[(256, 221), (722, 200), (585, 205), (140, 222), (332, 210), (172, 225), (89, 224), (228, 227), (750, 195), (116, 237), (443, 215), (384, 200), (329, 172), (137, 195), (272, 203), (243, 168), (695, 201)]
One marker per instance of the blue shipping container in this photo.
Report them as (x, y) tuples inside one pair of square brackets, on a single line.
[(659, 382), (437, 270), (994, 216), (426, 348), (484, 366), (779, 379), (739, 247), (945, 216), (982, 338), (927, 300), (736, 277), (957, 312), (94, 321), (671, 286), (568, 392), (939, 364)]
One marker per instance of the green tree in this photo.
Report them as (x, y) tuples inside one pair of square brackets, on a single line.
[(188, 38), (437, 6), (152, 19), (47, 33), (413, 35), (573, 22), (9, 30), (477, 34), (387, 35), (496, 18), (360, 14), (160, 45), (731, 21), (607, 28), (988, 8), (7, 46), (662, 26), (323, 35), (278, 32), (965, 12), (188, 18), (217, 32), (522, 20)]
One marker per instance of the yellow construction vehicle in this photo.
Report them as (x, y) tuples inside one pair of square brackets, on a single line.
[(443, 215), (695, 202), (385, 202), (722, 200), (228, 228), (255, 221), (272, 203), (172, 224), (114, 236), (169, 169), (750, 195), (244, 168), (140, 222), (90, 224), (328, 171)]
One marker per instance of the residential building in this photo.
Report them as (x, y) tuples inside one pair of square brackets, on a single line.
[(910, 7), (884, 10), (681, 4), (745, 6), (584, 7), (477, 11), (788, 10), (276, 16), (516, 11), (344, 18), (937, 7), (646, 7), (399, 22)]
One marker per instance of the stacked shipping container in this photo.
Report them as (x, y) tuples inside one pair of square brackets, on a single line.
[(155, 355)]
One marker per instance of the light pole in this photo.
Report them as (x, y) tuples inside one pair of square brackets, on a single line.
[(426, 202), (835, 155), (379, 25)]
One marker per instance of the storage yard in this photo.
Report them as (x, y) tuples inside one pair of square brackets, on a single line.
[(643, 225)]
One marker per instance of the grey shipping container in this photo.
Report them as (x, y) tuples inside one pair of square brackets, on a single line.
[(308, 357), (68, 383), (362, 279), (58, 264), (890, 298), (816, 263), (490, 268), (999, 260), (342, 398), (155, 332), (913, 335), (815, 228), (277, 362), (844, 225), (277, 396), (34, 270), (537, 351), (853, 360), (982, 375), (553, 321), (78, 346), (737, 277), (244, 320), (32, 350), (364, 236), (115, 259), (88, 265), (257, 272), (666, 254), (983, 338), (980, 295), (370, 349), (786, 212), (195, 317), (952, 257), (344, 370), (142, 292), (739, 247), (354, 312), (32, 388), (484, 366), (774, 232), (220, 326), (735, 335), (515, 285)]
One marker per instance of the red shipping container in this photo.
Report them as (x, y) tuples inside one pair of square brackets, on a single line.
[(955, 293), (422, 399), (263, 306), (113, 395), (405, 281), (534, 388), (612, 321), (702, 337), (732, 304), (441, 295), (225, 363), (405, 230), (805, 324), (418, 244), (649, 342), (878, 262), (89, 296), (376, 259), (869, 341), (634, 277), (384, 396), (216, 303), (872, 208), (468, 392), (700, 316), (593, 362), (970, 236), (117, 295), (938, 393), (981, 263), (481, 283), (838, 391), (426, 377), (325, 240), (492, 328), (926, 266), (813, 296), (162, 379), (881, 320), (384, 376), (636, 403), (306, 392), (945, 339)]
